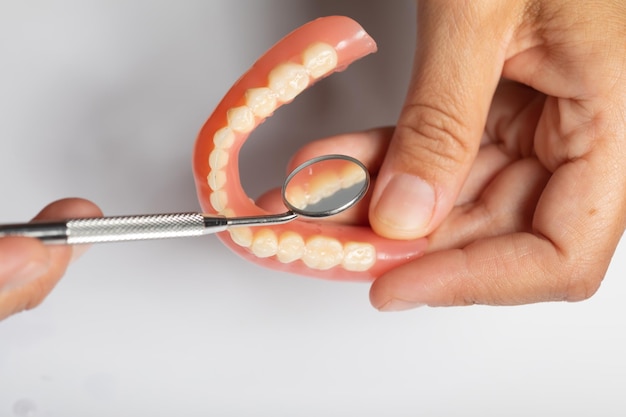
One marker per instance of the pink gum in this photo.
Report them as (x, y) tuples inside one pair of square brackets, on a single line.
[(351, 43)]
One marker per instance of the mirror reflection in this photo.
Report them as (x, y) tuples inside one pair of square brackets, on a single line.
[(325, 186)]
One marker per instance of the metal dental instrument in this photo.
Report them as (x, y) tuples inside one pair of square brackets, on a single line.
[(341, 182)]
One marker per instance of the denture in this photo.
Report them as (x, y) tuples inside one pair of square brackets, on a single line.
[(313, 248)]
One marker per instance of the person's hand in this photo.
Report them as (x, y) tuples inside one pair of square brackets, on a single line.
[(29, 269), (509, 154), (521, 189)]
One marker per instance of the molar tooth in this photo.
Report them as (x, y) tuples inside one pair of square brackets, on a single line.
[(216, 179), (264, 243), (218, 159), (288, 80), (358, 256), (219, 200), (291, 247), (242, 236), (322, 253), (262, 101), (240, 119), (224, 138), (319, 59)]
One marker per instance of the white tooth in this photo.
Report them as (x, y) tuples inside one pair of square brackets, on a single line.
[(228, 212), (264, 243), (219, 200), (319, 59), (312, 199), (241, 236), (218, 159), (224, 138), (262, 101), (288, 80), (216, 179), (322, 253), (240, 119), (351, 175), (290, 247), (296, 196), (358, 256)]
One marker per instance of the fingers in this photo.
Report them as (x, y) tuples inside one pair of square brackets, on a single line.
[(506, 205), (69, 208), (548, 256), (21, 261), (28, 268), (503, 270), (456, 70), (506, 179), (555, 243)]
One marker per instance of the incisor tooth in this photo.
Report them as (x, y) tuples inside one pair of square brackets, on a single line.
[(218, 159), (290, 247), (240, 119), (219, 200), (224, 138), (358, 256), (264, 243), (241, 236), (262, 101), (319, 59), (288, 80), (322, 253)]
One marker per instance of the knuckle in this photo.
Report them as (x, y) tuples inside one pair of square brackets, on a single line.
[(434, 136)]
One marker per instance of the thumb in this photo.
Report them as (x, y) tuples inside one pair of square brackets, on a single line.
[(457, 66)]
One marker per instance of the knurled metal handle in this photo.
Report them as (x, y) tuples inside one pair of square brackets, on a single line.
[(121, 228), (136, 227)]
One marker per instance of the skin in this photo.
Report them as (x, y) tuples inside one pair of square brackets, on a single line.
[(29, 270), (509, 153)]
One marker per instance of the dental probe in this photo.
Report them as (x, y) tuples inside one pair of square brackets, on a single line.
[(137, 227)]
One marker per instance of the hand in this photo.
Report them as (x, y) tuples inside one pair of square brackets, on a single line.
[(29, 270), (522, 190), (509, 154)]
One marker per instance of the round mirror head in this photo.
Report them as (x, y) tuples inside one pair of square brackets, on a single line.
[(325, 186)]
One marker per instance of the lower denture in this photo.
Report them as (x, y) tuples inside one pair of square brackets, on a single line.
[(319, 249)]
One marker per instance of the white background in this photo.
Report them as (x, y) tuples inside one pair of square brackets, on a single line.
[(103, 99)]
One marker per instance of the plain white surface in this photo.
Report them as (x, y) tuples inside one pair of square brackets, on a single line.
[(103, 99)]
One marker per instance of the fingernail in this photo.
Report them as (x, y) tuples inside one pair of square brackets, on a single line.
[(399, 305), (406, 205)]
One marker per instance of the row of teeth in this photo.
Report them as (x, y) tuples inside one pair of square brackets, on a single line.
[(324, 185), (285, 82), (317, 252)]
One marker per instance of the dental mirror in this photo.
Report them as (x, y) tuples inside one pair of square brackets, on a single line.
[(321, 187), (325, 186)]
